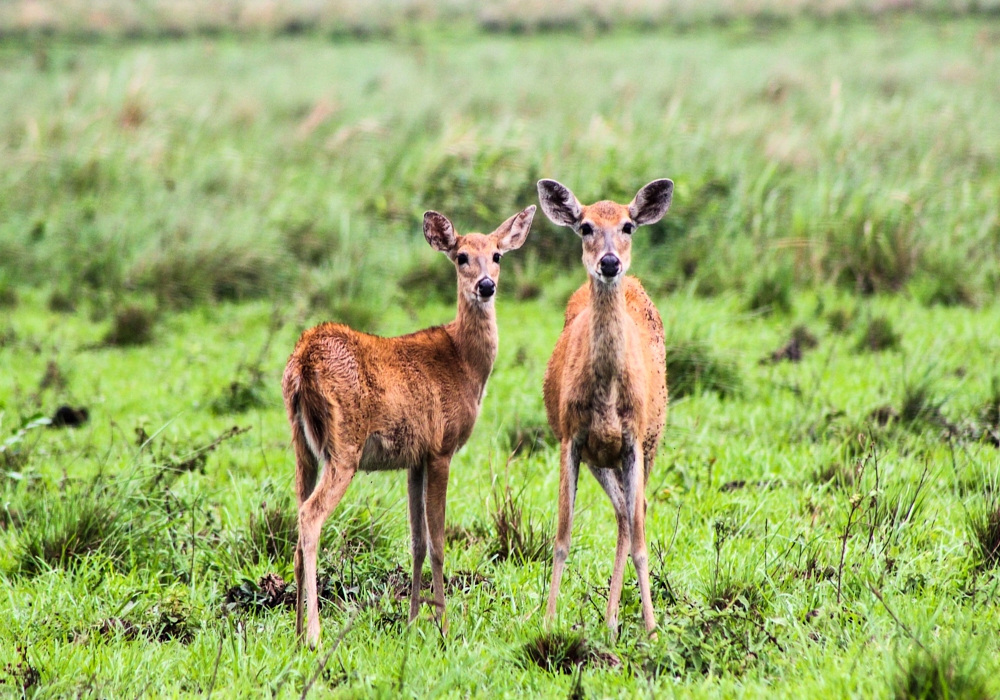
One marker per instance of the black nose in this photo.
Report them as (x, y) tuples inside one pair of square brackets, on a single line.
[(486, 287), (610, 265)]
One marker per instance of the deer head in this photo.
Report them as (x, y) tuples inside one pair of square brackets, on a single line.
[(476, 255), (606, 228)]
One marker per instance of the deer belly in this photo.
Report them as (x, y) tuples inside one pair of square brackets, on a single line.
[(386, 453), (604, 444)]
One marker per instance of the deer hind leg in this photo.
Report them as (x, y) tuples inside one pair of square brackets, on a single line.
[(336, 477), (612, 482), (569, 473), (306, 469), (635, 499), (418, 533), (435, 498)]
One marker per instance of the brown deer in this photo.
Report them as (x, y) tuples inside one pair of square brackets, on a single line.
[(606, 385), (358, 401)]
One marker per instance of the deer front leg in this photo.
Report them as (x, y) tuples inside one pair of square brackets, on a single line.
[(635, 487), (435, 497), (612, 482), (418, 533), (337, 476), (569, 472)]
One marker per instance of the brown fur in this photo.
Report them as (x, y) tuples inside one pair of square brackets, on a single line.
[(605, 386), (358, 401)]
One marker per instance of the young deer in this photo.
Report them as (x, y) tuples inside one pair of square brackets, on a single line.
[(358, 401), (606, 386)]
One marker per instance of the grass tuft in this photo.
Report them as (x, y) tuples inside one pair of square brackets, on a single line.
[(70, 528), (692, 367), (270, 534), (770, 293), (840, 320), (565, 652), (940, 675), (132, 325), (529, 437), (984, 528), (516, 536), (879, 335)]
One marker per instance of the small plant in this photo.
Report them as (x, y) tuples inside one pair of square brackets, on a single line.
[(944, 282), (515, 536), (8, 295), (940, 675), (879, 335), (984, 527), (271, 534), (529, 437), (692, 367), (132, 325), (771, 294), (989, 415), (240, 396), (920, 405), (362, 532), (70, 527), (62, 302), (22, 674), (271, 591), (565, 652), (840, 320)]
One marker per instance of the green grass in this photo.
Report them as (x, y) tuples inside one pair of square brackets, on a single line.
[(174, 213), (744, 576)]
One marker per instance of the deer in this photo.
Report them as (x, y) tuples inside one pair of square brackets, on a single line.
[(605, 387), (363, 402)]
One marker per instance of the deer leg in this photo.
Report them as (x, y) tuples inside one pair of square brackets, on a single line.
[(435, 497), (336, 477), (569, 472), (635, 499), (611, 481), (418, 533), (306, 468)]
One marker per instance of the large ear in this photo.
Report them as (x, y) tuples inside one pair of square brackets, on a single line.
[(439, 232), (558, 203), (511, 233), (652, 202)]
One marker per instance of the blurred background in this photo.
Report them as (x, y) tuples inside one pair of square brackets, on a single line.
[(173, 154)]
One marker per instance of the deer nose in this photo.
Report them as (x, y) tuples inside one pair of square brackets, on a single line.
[(486, 287), (610, 265)]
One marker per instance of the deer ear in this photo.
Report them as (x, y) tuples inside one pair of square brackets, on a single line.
[(439, 232), (558, 203), (652, 202), (510, 235)]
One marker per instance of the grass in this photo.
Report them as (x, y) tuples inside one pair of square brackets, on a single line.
[(841, 175)]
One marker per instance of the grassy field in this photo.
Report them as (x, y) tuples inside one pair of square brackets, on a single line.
[(174, 213)]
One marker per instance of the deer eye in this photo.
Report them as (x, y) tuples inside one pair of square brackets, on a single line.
[(586, 229), (496, 257), (462, 258), (628, 228)]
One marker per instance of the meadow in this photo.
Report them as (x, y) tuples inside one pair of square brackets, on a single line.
[(823, 513)]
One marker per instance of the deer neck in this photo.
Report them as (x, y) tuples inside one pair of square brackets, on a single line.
[(607, 331), (474, 332)]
